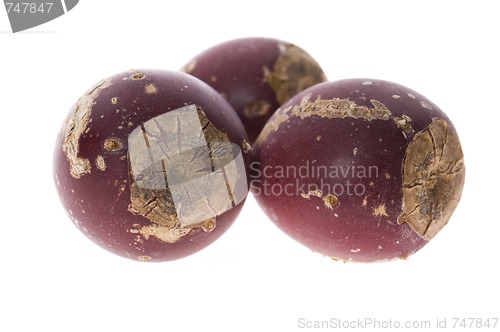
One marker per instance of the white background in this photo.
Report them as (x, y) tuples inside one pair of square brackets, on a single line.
[(254, 278)]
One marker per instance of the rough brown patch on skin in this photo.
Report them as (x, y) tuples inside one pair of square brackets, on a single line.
[(433, 178), (293, 71), (331, 201), (151, 89), (327, 108), (404, 123), (100, 163), (75, 127), (163, 233), (208, 225), (189, 67), (167, 227), (380, 211), (314, 193), (137, 76), (339, 109), (113, 144), (151, 192), (256, 109)]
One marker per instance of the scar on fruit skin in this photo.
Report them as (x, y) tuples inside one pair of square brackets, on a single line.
[(335, 108), (329, 200), (380, 211), (151, 89), (315, 193), (76, 125), (137, 76), (433, 178), (293, 71), (171, 235), (113, 144), (100, 163), (158, 205), (404, 123)]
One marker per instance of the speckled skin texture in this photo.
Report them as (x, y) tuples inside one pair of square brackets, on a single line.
[(92, 168), (256, 75), (354, 209)]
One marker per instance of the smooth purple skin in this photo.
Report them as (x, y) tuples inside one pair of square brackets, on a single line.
[(236, 70), (349, 231), (98, 202)]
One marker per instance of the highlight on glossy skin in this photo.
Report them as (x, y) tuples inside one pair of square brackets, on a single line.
[(256, 76), (359, 170), (151, 165)]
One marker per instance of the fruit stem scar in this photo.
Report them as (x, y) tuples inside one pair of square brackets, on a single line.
[(433, 178)]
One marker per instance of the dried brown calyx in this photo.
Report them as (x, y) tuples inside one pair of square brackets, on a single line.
[(433, 178), (185, 173)]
